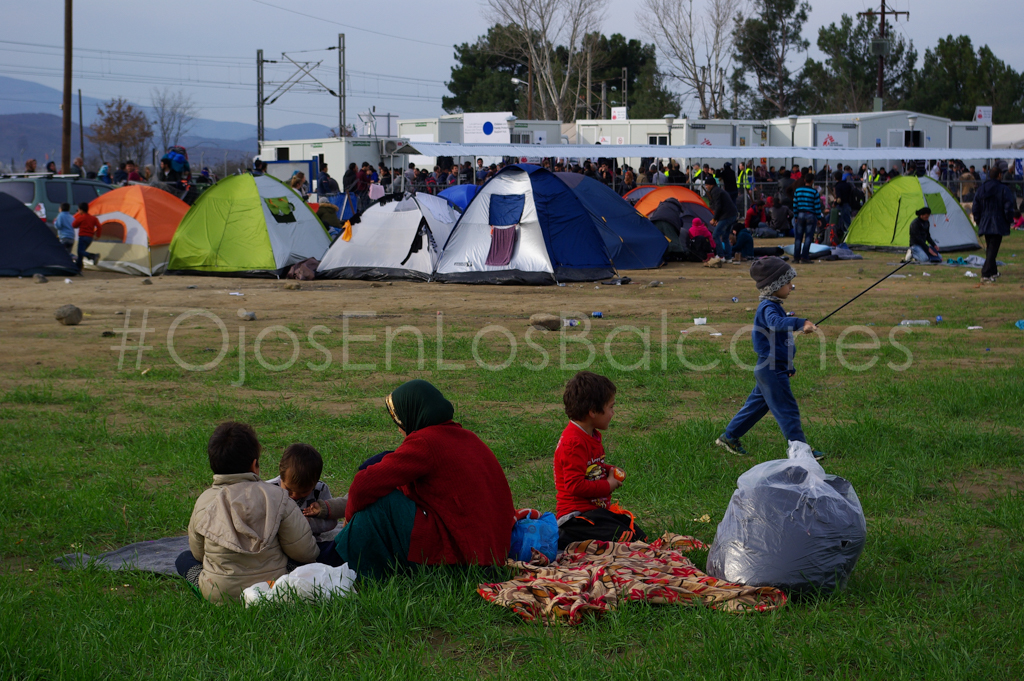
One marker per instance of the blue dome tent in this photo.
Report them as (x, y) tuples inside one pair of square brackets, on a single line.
[(525, 226), (459, 195), (633, 242)]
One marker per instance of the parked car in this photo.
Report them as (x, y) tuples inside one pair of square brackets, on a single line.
[(44, 192)]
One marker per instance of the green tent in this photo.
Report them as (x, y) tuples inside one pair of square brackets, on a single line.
[(247, 226), (884, 221)]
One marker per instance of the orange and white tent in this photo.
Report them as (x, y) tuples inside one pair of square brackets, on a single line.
[(136, 226)]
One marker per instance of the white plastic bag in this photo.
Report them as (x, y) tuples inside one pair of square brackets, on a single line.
[(306, 583)]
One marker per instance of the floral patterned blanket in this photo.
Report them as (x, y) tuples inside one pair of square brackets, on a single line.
[(593, 576)]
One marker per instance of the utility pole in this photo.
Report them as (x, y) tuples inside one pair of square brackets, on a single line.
[(65, 143), (604, 99), (81, 126), (590, 69), (341, 85), (259, 98), (529, 88), (882, 52), (625, 89)]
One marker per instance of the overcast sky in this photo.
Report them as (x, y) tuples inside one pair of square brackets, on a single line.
[(126, 48)]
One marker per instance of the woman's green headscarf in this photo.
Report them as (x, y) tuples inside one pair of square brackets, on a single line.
[(418, 404)]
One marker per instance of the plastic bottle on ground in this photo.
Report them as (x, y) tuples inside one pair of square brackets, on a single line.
[(915, 322)]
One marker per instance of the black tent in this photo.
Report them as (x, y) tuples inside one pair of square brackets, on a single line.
[(29, 247)]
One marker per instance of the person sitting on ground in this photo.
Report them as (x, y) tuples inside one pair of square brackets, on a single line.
[(755, 216), (1018, 220), (921, 243), (242, 530), (440, 498), (328, 214), (299, 474), (584, 482), (743, 246), (700, 242), (86, 225), (65, 225)]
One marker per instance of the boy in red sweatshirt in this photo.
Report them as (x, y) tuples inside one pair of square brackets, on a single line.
[(583, 481)]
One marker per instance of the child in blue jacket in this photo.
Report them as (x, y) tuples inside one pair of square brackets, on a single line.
[(773, 342)]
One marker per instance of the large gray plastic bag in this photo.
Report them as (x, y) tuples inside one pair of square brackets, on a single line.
[(791, 526)]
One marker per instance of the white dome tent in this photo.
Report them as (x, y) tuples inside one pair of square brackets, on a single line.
[(399, 239)]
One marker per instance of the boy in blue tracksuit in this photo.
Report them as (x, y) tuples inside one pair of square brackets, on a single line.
[(773, 342)]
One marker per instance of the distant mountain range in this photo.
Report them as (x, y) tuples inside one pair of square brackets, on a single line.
[(30, 127)]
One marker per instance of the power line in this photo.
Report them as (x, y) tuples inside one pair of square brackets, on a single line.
[(356, 28)]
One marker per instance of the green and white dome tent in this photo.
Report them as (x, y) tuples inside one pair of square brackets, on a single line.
[(884, 221), (247, 226)]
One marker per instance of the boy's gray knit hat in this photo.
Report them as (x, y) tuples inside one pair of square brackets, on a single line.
[(770, 274)]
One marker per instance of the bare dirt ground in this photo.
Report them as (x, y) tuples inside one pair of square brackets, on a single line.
[(29, 334)]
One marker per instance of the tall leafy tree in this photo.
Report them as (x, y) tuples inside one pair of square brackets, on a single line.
[(649, 98), (765, 42), (847, 79), (482, 77), (954, 78), (612, 54)]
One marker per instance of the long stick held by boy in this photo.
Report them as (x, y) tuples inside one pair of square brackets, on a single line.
[(773, 342)]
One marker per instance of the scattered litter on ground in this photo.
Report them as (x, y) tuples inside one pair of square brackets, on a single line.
[(191, 286), (938, 319), (1020, 324), (119, 312), (39, 278), (703, 519), (968, 273), (236, 293), (735, 299), (714, 334), (247, 316), (925, 274), (67, 281), (915, 322), (700, 321), (897, 276), (147, 282), (108, 334), (561, 284), (570, 322), (974, 328), (597, 315)]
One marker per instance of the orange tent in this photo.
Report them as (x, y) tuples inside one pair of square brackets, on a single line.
[(646, 198), (136, 226)]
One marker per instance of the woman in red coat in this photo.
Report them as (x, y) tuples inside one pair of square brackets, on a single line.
[(441, 498)]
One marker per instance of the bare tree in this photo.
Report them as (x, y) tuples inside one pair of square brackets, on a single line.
[(553, 32), (697, 45), (173, 115), (120, 130)]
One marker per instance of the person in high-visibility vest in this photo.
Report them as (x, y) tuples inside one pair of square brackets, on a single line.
[(876, 181), (745, 181)]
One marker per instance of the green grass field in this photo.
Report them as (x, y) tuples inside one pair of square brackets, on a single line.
[(94, 458)]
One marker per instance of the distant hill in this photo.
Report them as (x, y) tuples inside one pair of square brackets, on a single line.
[(38, 136), (21, 97)]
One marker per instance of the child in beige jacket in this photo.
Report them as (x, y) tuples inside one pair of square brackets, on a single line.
[(242, 530)]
